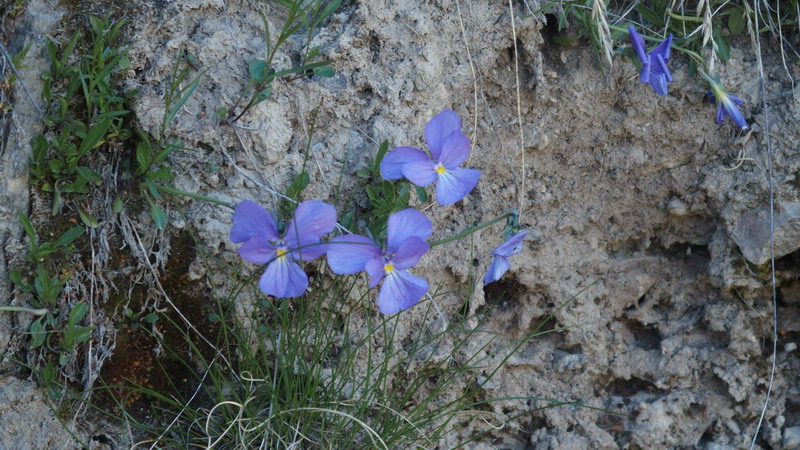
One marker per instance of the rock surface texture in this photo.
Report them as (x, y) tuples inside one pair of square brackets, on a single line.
[(632, 199)]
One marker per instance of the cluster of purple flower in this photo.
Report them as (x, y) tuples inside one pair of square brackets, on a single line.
[(407, 231), (656, 73)]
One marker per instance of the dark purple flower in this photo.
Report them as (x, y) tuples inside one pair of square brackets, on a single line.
[(654, 64), (726, 104), (501, 254), (405, 244), (262, 244), (449, 149)]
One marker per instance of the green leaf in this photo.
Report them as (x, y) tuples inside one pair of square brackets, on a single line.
[(38, 333), (69, 236), (324, 71), (124, 63), (77, 313), (736, 21), (187, 93), (362, 174), (117, 206), (258, 71), (87, 219), (657, 20), (27, 226), (382, 149), (158, 215), (723, 48), (221, 113), (94, 137), (143, 151), (263, 95), (16, 277), (64, 358), (422, 195), (330, 8), (151, 318)]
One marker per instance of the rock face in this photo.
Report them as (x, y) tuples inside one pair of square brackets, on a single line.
[(627, 194)]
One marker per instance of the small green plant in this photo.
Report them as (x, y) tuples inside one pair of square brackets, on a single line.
[(78, 128), (301, 14), (62, 338)]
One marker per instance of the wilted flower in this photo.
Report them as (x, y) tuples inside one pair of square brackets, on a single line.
[(449, 148), (501, 254), (256, 228), (405, 244), (654, 64), (726, 103)]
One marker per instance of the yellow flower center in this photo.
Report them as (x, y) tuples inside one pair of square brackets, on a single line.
[(440, 169), (388, 267), (281, 252)]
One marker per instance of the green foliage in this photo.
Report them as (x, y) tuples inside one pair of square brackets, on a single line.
[(316, 372), (300, 15), (61, 337), (76, 128)]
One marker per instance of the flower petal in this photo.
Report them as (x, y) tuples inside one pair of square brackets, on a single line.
[(454, 150), (311, 218), (663, 49), (348, 254), (659, 83), (497, 268), (405, 224), (400, 290), (733, 112), (283, 278), (375, 270), (454, 184), (309, 247), (661, 68), (257, 250), (409, 252), (421, 173), (512, 246), (393, 162), (439, 128), (638, 44), (644, 76), (250, 219)]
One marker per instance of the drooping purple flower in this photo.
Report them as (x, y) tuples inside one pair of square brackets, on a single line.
[(405, 244), (654, 64), (262, 244), (726, 104), (449, 149), (500, 263)]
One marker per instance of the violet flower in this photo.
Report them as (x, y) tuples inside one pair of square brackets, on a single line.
[(256, 228), (449, 149), (726, 104), (654, 64), (405, 244), (501, 254)]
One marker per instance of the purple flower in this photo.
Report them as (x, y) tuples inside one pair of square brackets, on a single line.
[(501, 254), (654, 64), (449, 148), (256, 228), (405, 245), (726, 104)]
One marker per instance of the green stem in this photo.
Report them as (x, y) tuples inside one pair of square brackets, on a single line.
[(171, 190), (473, 229), (35, 312), (684, 18)]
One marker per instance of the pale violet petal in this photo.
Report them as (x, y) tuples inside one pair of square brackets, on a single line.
[(348, 254), (250, 219), (404, 224), (454, 184), (400, 291), (455, 150), (393, 162), (497, 268), (439, 128), (409, 252), (311, 218), (283, 278)]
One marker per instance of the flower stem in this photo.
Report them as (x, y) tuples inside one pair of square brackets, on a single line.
[(171, 190), (35, 312), (478, 227)]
